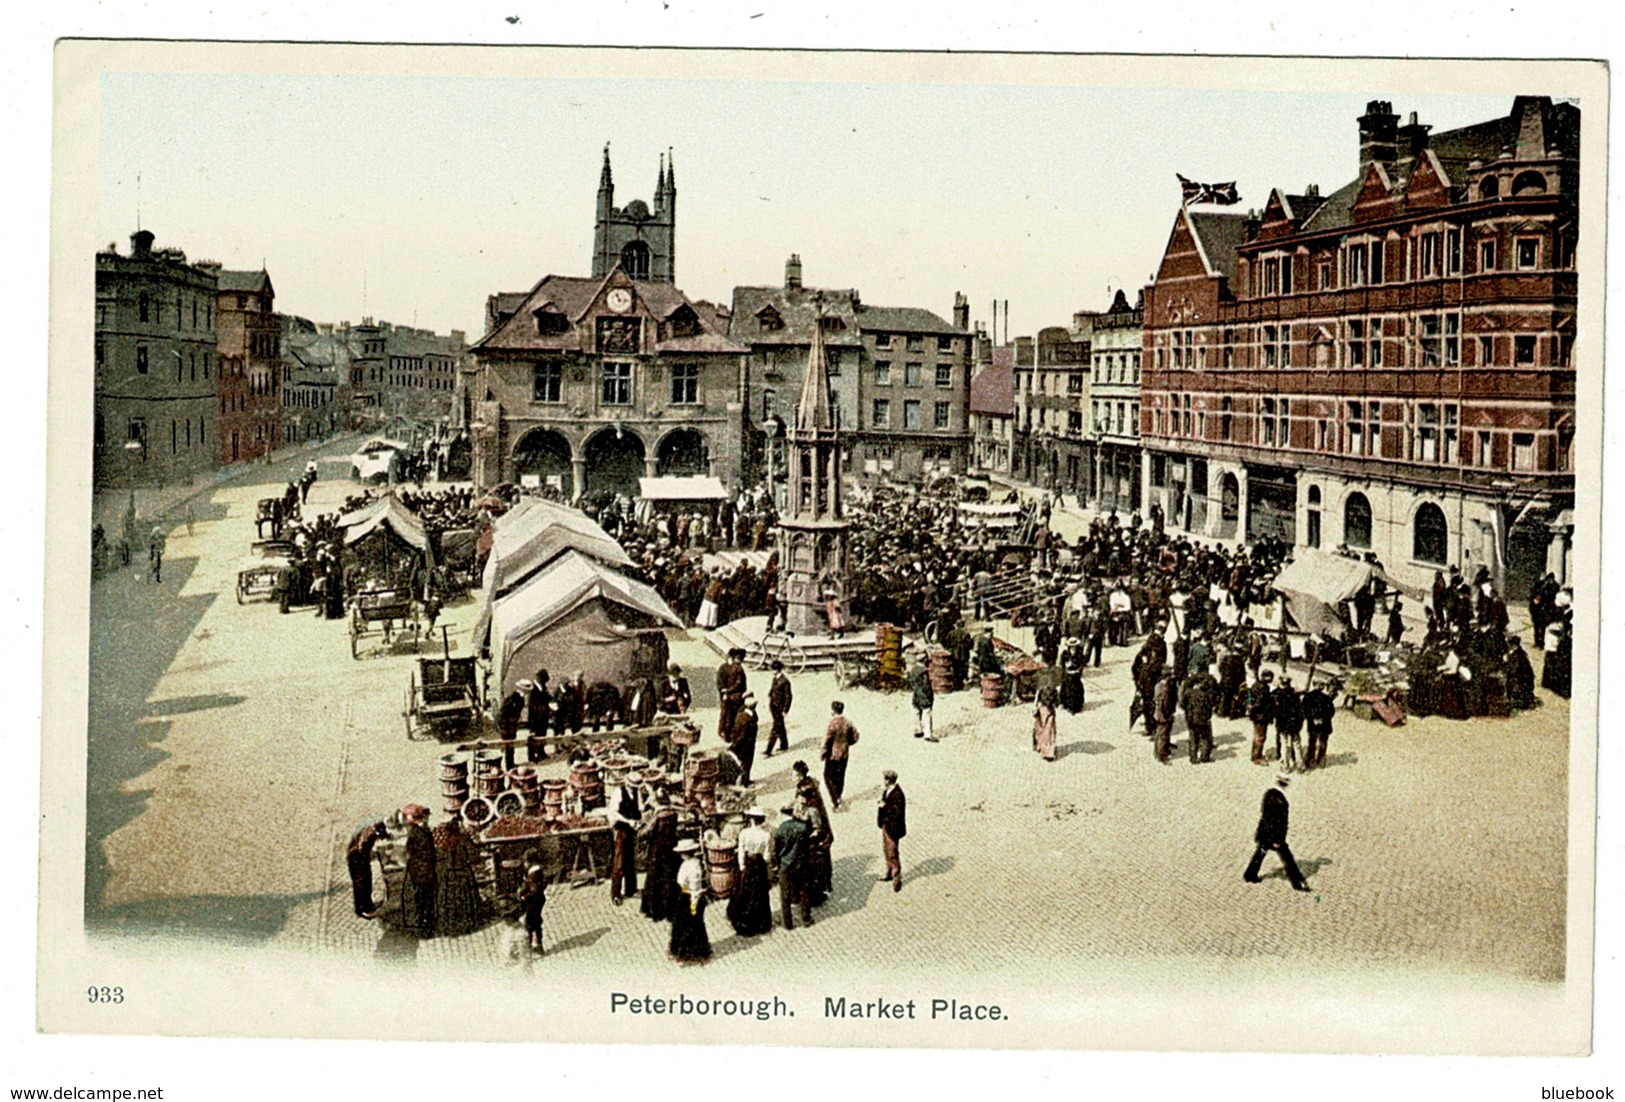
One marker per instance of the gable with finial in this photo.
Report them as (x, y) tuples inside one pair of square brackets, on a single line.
[(1278, 220), (1376, 197), (1429, 186)]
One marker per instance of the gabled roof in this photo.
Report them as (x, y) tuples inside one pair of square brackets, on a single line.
[(1338, 208), (1217, 236), (905, 319), (993, 390), (797, 308), (245, 282), (573, 297)]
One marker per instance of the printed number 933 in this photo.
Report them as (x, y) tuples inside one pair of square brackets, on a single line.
[(105, 994)]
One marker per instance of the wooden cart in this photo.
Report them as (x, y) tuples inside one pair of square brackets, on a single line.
[(442, 698), (387, 612)]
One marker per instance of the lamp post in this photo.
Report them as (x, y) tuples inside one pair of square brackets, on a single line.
[(773, 429)]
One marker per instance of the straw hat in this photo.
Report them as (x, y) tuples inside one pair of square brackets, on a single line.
[(687, 845)]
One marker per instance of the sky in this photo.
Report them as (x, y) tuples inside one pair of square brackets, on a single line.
[(411, 198)]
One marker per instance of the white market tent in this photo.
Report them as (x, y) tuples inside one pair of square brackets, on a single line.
[(1317, 583), (578, 614), (529, 537), (973, 514), (682, 488)]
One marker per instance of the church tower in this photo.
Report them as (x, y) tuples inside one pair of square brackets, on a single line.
[(640, 240), (814, 536)]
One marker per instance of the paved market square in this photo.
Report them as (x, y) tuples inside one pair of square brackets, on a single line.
[(233, 750)]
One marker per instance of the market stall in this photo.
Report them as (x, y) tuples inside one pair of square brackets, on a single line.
[(577, 614)]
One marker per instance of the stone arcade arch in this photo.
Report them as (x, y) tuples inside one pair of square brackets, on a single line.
[(614, 461), (544, 453), (683, 451)]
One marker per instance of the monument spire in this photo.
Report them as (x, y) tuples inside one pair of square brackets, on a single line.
[(812, 411)]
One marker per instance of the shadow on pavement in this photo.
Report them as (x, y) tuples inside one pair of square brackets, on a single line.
[(852, 878), (247, 919), (136, 630), (181, 705), (931, 866), (1083, 746), (396, 946), (579, 941), (1347, 757)]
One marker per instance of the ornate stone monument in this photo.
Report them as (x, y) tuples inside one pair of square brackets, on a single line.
[(814, 537)]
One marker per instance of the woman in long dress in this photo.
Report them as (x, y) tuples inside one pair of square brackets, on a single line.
[(690, 944), (457, 895), (660, 881), (1044, 725), (750, 910)]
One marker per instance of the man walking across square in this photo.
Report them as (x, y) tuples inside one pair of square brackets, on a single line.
[(919, 683), (780, 697), (839, 738), (1271, 835)]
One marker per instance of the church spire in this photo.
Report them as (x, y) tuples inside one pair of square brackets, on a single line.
[(812, 411), (660, 184), (671, 172), (605, 181)]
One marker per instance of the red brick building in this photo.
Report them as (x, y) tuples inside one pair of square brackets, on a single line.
[(1387, 366), (249, 335)]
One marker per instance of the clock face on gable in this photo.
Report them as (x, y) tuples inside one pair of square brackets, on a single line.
[(619, 300)]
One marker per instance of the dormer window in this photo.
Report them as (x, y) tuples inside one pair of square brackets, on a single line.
[(684, 322), (768, 319), (550, 322)]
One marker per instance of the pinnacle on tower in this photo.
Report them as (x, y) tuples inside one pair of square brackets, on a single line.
[(605, 180), (671, 172), (660, 184), (812, 411)]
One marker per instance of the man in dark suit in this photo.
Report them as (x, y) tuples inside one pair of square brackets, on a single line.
[(422, 876), (1271, 835), (892, 818), (1318, 709), (780, 696), (789, 861)]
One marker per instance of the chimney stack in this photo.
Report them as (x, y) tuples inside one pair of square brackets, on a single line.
[(141, 244), (1413, 139), (961, 311), (792, 273), (1378, 128)]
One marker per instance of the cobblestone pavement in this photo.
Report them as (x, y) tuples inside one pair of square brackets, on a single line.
[(233, 751)]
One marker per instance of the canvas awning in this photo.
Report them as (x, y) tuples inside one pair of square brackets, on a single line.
[(569, 582), (387, 512), (684, 488), (1317, 583), (976, 514)]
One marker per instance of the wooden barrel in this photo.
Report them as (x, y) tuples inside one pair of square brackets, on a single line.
[(452, 800), (523, 778), (454, 767), (992, 689), (724, 868), (939, 665), (491, 781), (615, 767), (732, 824), (486, 759), (700, 780), (553, 799), (588, 782)]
